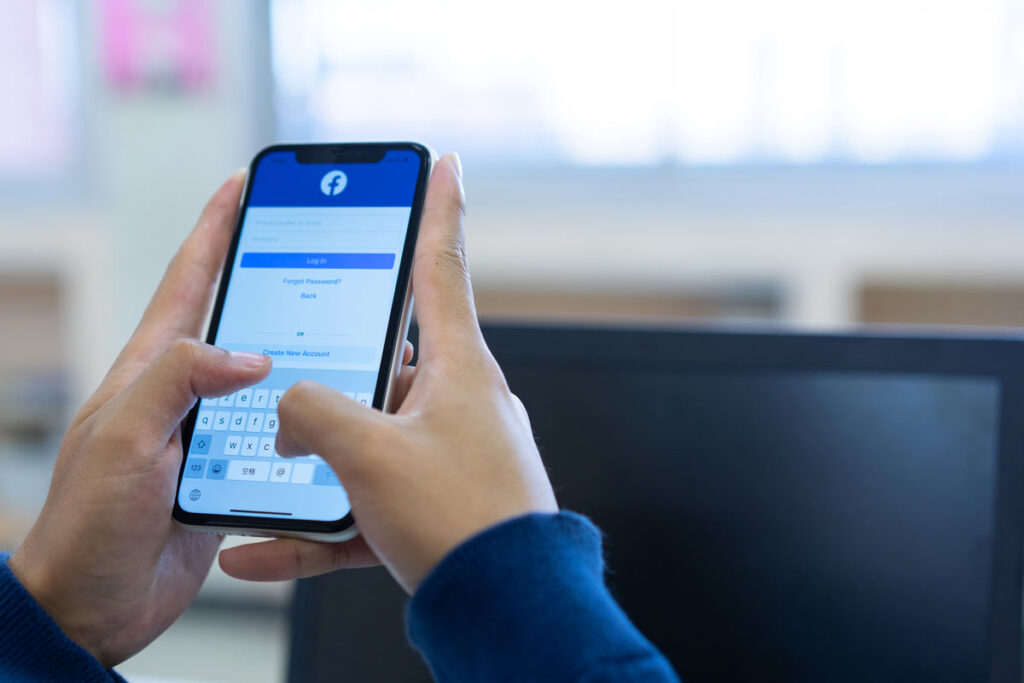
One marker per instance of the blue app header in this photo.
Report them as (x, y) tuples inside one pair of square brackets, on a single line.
[(280, 180)]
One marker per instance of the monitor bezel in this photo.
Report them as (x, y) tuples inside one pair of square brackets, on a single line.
[(968, 353)]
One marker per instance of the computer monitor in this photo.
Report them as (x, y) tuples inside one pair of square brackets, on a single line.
[(778, 507)]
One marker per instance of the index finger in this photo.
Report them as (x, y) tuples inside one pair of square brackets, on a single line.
[(289, 558)]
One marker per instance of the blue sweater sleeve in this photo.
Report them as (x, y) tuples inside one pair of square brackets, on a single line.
[(32, 646), (526, 601)]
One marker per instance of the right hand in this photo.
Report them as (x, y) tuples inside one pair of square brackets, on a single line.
[(457, 457)]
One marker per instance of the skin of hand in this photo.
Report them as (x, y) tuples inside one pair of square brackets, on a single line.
[(457, 457), (104, 558)]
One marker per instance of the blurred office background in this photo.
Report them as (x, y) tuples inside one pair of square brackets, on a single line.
[(813, 163)]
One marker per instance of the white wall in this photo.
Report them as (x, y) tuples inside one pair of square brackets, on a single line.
[(154, 158), (814, 234)]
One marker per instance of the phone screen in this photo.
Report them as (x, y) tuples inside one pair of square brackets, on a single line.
[(313, 282)]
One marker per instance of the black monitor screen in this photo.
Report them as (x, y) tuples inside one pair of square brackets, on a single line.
[(764, 522), (785, 526)]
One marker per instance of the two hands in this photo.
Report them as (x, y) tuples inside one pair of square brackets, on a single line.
[(114, 571)]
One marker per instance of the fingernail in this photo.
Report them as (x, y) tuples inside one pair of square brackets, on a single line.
[(240, 173), (458, 163), (249, 360)]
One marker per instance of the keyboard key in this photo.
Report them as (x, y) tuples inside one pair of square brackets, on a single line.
[(267, 447), (255, 422), (248, 470), (226, 401), (249, 446), (325, 476), (270, 424), (195, 467), (259, 398), (201, 444), (302, 473), (350, 394), (238, 421), (222, 420), (217, 469), (208, 403), (280, 472), (232, 445), (205, 419), (275, 398), (365, 399), (243, 399)]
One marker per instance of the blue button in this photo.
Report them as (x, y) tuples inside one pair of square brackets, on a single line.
[(201, 444), (325, 476), (217, 469), (194, 468), (261, 259)]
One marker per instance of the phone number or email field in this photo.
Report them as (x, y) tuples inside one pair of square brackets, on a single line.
[(296, 229)]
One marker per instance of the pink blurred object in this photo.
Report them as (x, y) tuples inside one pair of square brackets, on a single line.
[(157, 45)]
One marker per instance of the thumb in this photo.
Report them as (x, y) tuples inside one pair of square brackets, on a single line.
[(317, 419), (164, 393), (445, 310)]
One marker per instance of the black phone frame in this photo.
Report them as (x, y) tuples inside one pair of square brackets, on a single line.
[(369, 152)]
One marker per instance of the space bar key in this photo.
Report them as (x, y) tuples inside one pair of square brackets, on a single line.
[(247, 470)]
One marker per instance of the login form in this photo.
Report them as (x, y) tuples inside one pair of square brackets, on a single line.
[(312, 286)]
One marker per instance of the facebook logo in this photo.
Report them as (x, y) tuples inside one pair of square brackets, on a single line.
[(333, 183)]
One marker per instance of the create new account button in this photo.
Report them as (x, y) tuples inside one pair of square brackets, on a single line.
[(340, 261), (299, 353), (324, 354)]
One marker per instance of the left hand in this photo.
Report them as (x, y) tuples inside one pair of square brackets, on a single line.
[(104, 558)]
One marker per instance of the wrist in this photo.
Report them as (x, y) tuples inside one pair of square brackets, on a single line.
[(32, 575), (516, 584), (33, 646), (456, 535)]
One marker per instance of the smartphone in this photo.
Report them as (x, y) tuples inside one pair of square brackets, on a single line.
[(318, 278)]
